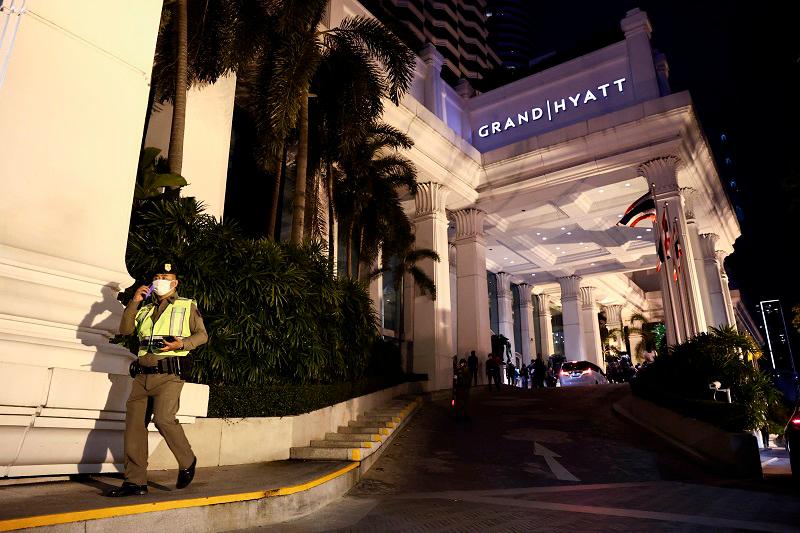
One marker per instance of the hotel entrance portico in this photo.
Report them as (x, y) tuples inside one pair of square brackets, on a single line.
[(536, 204)]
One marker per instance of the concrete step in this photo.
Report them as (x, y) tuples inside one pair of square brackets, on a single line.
[(337, 454), (373, 429), (371, 424), (361, 437), (374, 437), (380, 418), (341, 444)]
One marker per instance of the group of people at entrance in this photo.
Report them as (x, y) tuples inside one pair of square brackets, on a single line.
[(533, 375)]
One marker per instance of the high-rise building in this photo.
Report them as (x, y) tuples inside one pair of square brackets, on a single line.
[(457, 28), (779, 351), (510, 31)]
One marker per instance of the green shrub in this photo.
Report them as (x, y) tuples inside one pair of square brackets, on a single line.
[(232, 401), (680, 379), (273, 311)]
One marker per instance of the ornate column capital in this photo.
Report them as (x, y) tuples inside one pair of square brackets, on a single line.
[(503, 285), (469, 222), (614, 314), (587, 297), (663, 173), (570, 286), (708, 246), (542, 304), (431, 199), (525, 294), (688, 194), (720, 256)]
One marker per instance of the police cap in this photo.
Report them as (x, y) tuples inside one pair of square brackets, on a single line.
[(167, 267)]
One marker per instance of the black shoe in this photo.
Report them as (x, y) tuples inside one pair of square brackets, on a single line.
[(186, 476), (128, 489)]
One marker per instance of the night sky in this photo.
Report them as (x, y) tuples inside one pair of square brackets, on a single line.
[(740, 63)]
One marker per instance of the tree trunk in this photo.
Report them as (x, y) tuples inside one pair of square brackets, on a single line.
[(299, 205), (277, 189), (175, 157), (348, 260), (401, 325), (331, 237)]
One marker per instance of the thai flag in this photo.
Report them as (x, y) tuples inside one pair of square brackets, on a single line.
[(678, 251), (665, 232), (642, 209)]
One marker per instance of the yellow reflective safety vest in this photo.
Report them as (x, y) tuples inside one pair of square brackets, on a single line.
[(173, 321)]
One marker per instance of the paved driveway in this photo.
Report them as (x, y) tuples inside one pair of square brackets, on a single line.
[(549, 460)]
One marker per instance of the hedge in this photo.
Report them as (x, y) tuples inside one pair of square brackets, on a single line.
[(232, 401)]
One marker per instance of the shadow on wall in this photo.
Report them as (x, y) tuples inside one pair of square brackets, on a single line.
[(104, 442)]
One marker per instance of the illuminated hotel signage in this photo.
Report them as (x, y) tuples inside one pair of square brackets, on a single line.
[(553, 108)]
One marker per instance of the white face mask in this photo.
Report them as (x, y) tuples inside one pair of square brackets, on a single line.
[(162, 286)]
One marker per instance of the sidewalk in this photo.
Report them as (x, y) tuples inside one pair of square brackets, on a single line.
[(220, 498), (81, 498)]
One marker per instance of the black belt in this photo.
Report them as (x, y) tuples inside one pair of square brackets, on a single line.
[(168, 365)]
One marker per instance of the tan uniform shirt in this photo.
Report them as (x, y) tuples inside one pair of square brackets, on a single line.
[(199, 336)]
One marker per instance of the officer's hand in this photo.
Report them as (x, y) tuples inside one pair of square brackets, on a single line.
[(177, 344), (138, 296)]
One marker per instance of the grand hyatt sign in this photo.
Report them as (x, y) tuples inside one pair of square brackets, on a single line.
[(553, 108)]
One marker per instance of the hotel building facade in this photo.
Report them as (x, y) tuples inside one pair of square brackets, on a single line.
[(521, 189)]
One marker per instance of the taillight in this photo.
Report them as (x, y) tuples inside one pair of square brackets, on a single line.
[(453, 401), (563, 373), (796, 421)]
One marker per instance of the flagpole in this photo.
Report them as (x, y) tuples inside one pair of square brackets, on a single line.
[(669, 309)]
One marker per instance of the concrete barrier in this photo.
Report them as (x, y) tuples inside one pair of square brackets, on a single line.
[(734, 454), (233, 441)]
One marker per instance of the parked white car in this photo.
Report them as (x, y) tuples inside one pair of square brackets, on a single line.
[(580, 373)]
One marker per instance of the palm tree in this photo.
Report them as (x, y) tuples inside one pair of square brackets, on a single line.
[(200, 41), (300, 47), (368, 197)]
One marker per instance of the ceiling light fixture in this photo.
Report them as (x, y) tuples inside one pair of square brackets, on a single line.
[(569, 233), (544, 238)]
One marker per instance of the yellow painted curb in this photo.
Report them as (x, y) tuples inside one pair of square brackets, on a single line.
[(125, 510), (383, 431), (355, 454)]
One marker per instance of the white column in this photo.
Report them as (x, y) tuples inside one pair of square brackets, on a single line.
[(571, 312), (634, 339), (730, 313), (526, 322), (637, 30), (545, 326), (207, 140), (473, 293), (376, 293), (593, 349), (683, 307), (453, 294), (716, 312), (433, 343), (72, 108), (614, 322), (505, 301), (433, 79)]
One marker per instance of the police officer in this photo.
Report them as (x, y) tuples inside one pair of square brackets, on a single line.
[(168, 327)]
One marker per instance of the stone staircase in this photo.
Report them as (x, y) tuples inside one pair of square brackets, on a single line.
[(363, 436)]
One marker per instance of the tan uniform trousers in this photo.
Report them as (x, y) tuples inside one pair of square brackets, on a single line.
[(165, 391)]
